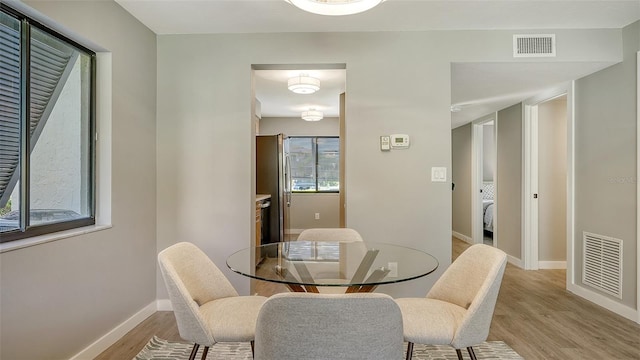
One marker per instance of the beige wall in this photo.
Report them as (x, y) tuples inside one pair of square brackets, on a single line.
[(461, 176), (552, 180), (305, 206), (509, 180), (182, 160), (488, 152), (606, 152), (204, 117), (329, 126), (59, 297)]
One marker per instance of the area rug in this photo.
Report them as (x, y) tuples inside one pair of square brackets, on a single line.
[(159, 349)]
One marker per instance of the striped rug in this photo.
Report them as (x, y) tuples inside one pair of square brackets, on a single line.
[(159, 349)]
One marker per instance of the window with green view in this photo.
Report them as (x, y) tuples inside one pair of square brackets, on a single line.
[(315, 164)]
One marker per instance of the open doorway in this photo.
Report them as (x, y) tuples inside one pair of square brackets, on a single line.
[(300, 109), (315, 150), (547, 192), (552, 181), (483, 184)]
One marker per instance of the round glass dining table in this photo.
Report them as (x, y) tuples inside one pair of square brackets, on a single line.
[(358, 266)]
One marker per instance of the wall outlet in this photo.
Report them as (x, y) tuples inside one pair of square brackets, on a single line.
[(317, 216)]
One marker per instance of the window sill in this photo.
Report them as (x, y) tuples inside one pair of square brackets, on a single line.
[(37, 240)]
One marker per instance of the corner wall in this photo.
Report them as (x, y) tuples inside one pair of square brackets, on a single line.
[(59, 297), (461, 150), (606, 161), (509, 174)]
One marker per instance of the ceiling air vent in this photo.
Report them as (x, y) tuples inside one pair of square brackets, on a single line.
[(602, 263), (538, 45)]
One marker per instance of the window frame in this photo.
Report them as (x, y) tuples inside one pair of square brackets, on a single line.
[(315, 146), (25, 230)]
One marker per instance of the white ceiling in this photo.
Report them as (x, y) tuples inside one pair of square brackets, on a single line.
[(257, 16), (277, 101), (480, 88)]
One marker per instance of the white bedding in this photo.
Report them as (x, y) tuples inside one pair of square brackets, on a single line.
[(487, 210)]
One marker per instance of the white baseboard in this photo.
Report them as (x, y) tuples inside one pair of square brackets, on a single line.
[(548, 265), (515, 261), (110, 338), (607, 303), (164, 305), (462, 237)]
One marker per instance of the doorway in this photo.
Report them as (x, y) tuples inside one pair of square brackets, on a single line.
[(552, 180), (315, 144), (484, 199), (547, 195)]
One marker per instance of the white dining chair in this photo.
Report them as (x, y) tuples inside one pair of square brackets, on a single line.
[(329, 234), (207, 308), (458, 309), (333, 235), (294, 326)]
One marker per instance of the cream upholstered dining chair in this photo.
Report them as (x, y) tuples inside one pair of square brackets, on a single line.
[(329, 234), (293, 326), (458, 309), (206, 306)]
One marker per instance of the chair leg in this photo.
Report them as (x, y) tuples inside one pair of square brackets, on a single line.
[(204, 352), (459, 353), (194, 351), (471, 353), (409, 351), (253, 350)]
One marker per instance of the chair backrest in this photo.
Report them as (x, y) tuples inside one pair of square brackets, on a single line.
[(192, 280), (473, 282), (329, 234), (322, 326)]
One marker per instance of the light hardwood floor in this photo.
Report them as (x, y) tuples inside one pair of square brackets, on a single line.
[(535, 315)]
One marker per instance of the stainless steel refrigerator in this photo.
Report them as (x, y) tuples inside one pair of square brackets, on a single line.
[(273, 176)]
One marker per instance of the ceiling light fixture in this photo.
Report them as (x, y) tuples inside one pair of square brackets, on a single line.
[(335, 7), (312, 115), (303, 84)]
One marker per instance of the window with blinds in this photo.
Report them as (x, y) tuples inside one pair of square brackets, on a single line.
[(46, 126)]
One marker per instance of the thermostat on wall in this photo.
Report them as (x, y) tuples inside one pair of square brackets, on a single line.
[(399, 141)]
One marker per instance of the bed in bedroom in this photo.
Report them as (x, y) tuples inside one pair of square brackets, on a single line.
[(487, 205)]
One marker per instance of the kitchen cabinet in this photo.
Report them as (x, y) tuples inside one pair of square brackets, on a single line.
[(262, 202)]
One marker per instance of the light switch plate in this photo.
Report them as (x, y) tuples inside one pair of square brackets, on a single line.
[(385, 143), (438, 174)]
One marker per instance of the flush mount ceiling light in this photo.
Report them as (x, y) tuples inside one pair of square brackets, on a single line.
[(312, 115), (335, 7), (303, 84)]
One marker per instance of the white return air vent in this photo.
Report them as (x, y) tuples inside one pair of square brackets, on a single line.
[(602, 263), (534, 45)]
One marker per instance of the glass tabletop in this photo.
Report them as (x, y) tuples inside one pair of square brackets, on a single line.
[(304, 265)]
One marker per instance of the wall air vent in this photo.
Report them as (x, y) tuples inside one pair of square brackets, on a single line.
[(602, 263), (534, 45)]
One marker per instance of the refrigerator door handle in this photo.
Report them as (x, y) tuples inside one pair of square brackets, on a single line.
[(287, 179)]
